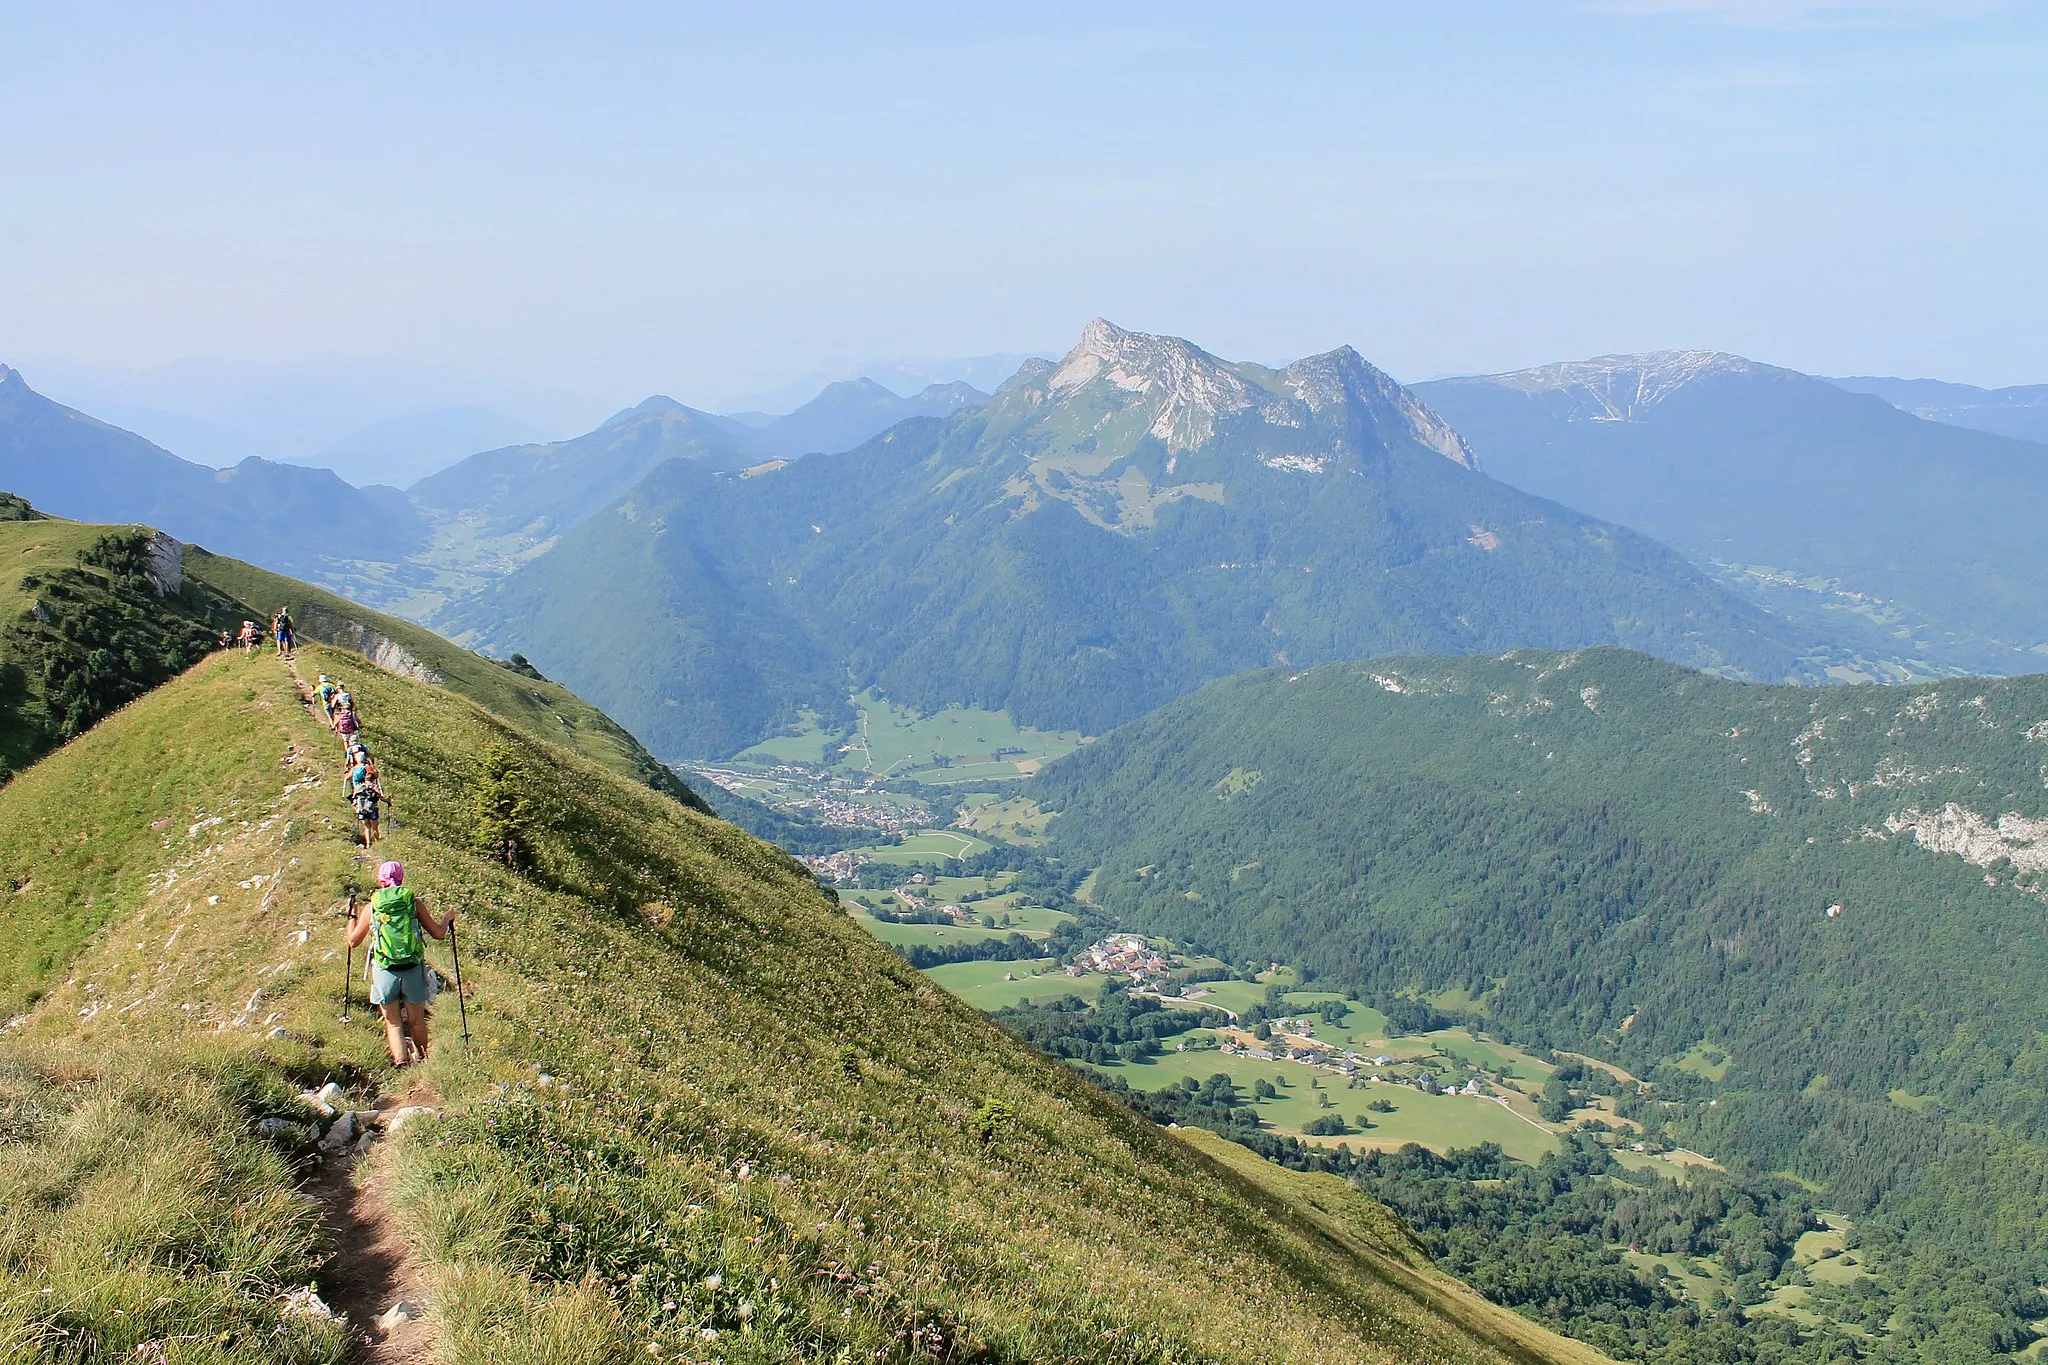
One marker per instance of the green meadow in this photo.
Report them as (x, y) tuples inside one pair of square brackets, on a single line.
[(928, 846), (896, 741), (1439, 1122), (981, 984)]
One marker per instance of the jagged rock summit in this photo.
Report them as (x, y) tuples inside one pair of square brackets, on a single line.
[(1127, 421)]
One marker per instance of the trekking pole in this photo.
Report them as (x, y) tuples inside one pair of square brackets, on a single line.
[(460, 1003), (348, 952)]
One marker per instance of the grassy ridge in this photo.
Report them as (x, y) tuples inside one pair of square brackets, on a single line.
[(544, 709), (703, 1115)]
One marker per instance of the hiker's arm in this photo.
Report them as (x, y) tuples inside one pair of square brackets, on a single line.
[(436, 928), (358, 928)]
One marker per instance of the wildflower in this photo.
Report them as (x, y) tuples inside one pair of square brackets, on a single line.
[(708, 1333), (712, 1282)]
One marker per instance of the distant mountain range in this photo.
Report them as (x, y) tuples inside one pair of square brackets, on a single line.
[(532, 492), (2020, 411), (1108, 531), (302, 521), (846, 413), (1894, 534), (1104, 534)]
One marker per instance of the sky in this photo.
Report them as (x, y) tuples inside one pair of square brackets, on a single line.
[(586, 204)]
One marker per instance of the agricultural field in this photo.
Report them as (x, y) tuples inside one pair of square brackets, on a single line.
[(958, 744), (982, 984), (811, 745), (1439, 1122), (983, 897), (926, 846), (1013, 820)]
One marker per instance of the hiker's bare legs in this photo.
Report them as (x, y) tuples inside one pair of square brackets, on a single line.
[(416, 1028), (395, 1031)]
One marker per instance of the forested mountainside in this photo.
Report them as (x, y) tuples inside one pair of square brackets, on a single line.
[(295, 519), (1892, 534), (93, 616), (1811, 919), (1103, 535), (699, 1114)]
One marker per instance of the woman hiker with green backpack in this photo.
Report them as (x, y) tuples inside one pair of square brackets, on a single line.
[(399, 984)]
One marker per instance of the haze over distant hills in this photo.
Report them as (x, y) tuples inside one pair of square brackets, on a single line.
[(848, 412), (2020, 411), (1891, 532), (901, 375), (306, 521), (1104, 534), (371, 421)]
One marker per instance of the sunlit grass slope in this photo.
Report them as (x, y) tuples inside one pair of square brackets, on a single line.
[(703, 1115), (545, 709)]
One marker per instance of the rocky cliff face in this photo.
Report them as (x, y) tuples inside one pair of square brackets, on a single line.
[(332, 628), (166, 564)]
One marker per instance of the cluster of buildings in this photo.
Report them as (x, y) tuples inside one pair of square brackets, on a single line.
[(794, 788), (890, 819), (1126, 956), (917, 898), (838, 867)]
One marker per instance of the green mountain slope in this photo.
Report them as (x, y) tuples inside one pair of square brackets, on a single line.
[(702, 1116), (525, 494), (1904, 538), (93, 616), (1840, 891), (1101, 536)]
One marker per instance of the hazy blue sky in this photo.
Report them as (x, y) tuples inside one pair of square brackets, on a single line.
[(609, 202)]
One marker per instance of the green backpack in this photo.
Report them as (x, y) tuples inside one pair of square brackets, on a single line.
[(395, 941)]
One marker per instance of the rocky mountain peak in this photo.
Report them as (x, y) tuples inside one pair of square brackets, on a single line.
[(1343, 375), (1613, 387), (1188, 389)]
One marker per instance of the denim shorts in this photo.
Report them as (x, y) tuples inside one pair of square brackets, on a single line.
[(406, 986)]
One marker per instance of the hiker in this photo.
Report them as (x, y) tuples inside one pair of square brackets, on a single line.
[(364, 794), (287, 640), (247, 639), (327, 692), (345, 723), (399, 976)]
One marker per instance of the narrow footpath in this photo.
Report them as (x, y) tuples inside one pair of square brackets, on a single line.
[(376, 1280)]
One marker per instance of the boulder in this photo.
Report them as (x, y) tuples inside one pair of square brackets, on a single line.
[(341, 1133)]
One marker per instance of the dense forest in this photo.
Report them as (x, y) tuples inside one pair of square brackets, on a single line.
[(1810, 920), (95, 634)]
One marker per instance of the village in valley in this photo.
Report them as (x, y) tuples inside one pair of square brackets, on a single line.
[(927, 794)]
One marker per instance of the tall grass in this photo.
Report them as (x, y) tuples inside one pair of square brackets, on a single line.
[(140, 1217)]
